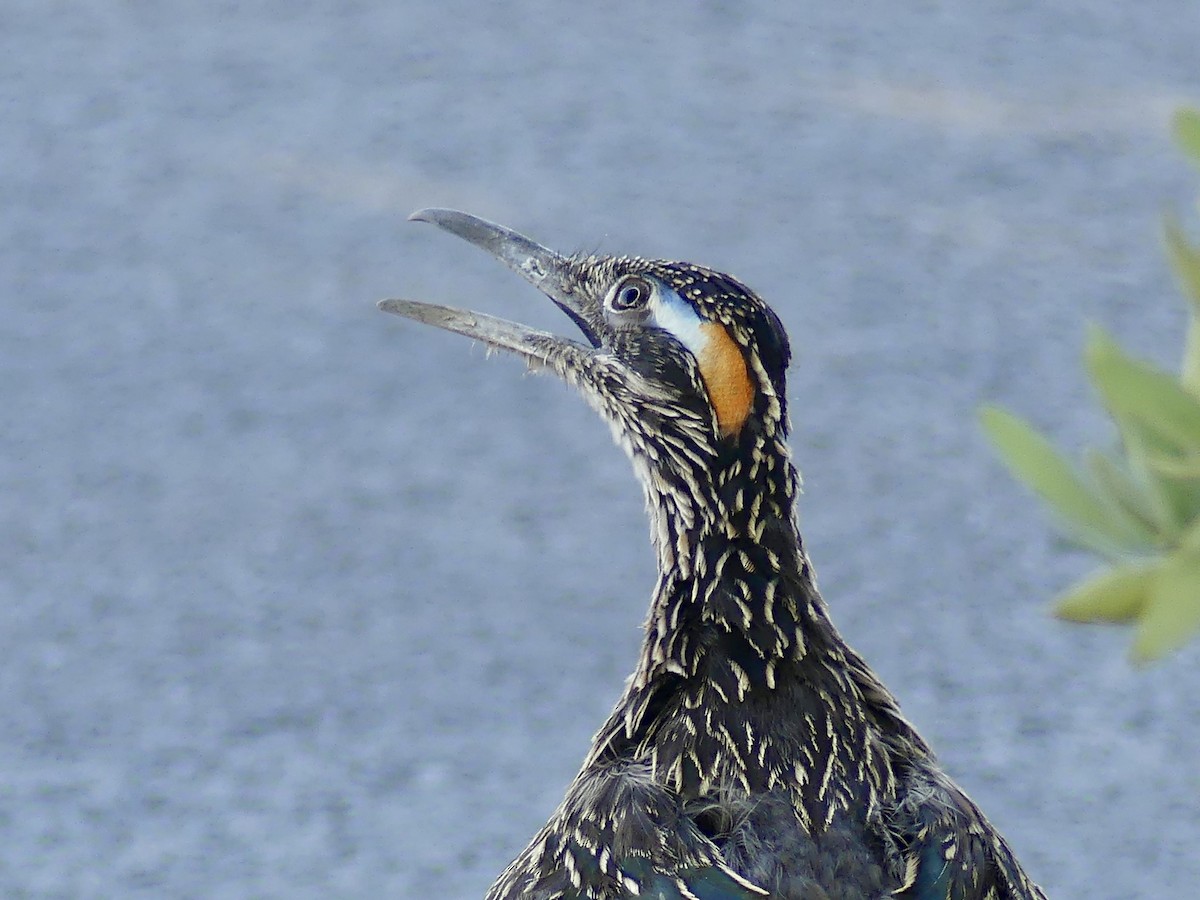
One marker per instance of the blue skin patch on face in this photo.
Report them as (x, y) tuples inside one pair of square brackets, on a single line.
[(676, 316)]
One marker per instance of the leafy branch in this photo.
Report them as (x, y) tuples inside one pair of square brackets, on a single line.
[(1138, 508)]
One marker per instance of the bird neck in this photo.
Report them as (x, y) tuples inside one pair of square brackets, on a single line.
[(700, 506), (735, 585), (737, 629)]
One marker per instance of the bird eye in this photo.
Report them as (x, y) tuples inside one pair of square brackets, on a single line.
[(632, 293)]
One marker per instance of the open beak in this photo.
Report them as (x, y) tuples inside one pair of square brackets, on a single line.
[(546, 270)]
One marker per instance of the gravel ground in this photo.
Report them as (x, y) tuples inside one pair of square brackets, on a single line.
[(298, 600)]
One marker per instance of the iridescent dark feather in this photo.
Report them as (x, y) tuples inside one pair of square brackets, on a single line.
[(753, 753)]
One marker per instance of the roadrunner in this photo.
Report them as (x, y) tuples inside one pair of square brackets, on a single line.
[(753, 753)]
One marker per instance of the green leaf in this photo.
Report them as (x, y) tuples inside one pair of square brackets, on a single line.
[(1184, 259), (1189, 372), (1186, 129), (1034, 462), (1173, 614), (1127, 500), (1174, 465), (1115, 595), (1190, 540), (1175, 500), (1138, 391)]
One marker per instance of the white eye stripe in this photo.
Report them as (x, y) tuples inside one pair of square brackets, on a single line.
[(675, 315)]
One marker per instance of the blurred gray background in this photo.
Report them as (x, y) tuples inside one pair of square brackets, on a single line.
[(301, 600)]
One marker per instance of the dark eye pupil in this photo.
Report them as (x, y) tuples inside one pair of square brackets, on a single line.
[(630, 296)]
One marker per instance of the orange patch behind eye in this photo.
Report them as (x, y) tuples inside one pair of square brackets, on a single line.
[(723, 368)]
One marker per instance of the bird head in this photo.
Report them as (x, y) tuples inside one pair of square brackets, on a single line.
[(685, 363)]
